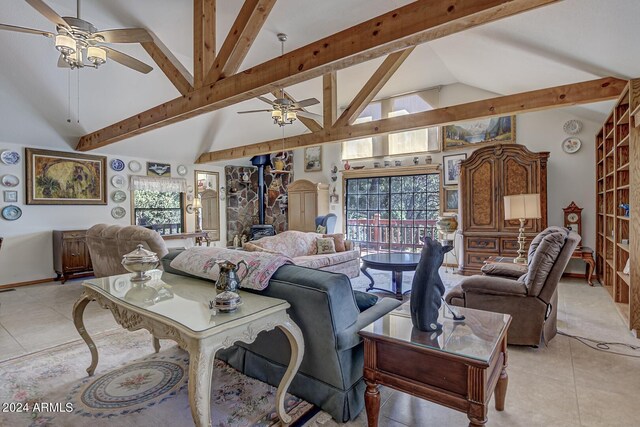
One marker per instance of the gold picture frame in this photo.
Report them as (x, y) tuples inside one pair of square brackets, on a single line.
[(478, 133), (64, 178)]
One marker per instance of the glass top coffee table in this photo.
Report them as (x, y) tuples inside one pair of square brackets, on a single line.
[(459, 367), (394, 262), (177, 308)]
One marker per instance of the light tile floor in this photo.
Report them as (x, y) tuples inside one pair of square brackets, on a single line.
[(564, 384)]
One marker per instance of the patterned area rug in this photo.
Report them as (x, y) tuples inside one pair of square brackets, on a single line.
[(131, 387)]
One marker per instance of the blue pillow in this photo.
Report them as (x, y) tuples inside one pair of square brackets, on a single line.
[(365, 300)]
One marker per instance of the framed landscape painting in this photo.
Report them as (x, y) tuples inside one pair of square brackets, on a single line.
[(474, 133), (61, 178)]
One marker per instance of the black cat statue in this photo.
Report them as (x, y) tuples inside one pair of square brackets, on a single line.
[(427, 287)]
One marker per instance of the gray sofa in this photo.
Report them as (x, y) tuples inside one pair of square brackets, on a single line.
[(324, 306)]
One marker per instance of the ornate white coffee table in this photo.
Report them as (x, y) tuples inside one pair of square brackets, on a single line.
[(176, 308)]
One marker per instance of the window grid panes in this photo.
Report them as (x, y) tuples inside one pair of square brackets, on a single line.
[(392, 213)]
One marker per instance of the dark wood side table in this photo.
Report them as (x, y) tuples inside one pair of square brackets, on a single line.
[(394, 262), (582, 253), (458, 368)]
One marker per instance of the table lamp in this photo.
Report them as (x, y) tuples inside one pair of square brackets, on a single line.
[(521, 207), (197, 206)]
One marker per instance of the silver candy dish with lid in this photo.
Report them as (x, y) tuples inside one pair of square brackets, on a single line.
[(138, 262), (227, 302)]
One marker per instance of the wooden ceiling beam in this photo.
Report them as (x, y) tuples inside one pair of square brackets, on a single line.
[(169, 64), (417, 22), (311, 124), (242, 34), (537, 100), (329, 99), (377, 81), (204, 39)]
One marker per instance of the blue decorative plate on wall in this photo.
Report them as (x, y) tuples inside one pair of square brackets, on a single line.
[(10, 157), (117, 165), (11, 213)]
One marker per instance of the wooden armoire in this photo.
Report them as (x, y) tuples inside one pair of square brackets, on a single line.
[(489, 174), (306, 201)]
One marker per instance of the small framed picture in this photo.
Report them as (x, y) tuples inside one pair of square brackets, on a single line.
[(10, 196), (450, 200), (452, 168), (313, 159), (158, 169)]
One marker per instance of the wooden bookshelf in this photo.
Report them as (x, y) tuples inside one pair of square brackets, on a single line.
[(618, 182)]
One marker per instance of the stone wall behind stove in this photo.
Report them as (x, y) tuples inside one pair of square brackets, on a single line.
[(242, 204)]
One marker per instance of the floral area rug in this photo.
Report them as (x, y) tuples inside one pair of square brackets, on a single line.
[(132, 386)]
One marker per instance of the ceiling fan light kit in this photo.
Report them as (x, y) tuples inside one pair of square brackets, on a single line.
[(285, 110), (80, 43)]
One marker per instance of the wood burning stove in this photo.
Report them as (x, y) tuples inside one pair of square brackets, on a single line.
[(261, 229)]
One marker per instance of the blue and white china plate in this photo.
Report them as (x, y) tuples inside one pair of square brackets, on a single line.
[(117, 165), (11, 213), (10, 157), (118, 212), (10, 181)]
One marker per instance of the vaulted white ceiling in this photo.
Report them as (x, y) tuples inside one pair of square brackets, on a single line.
[(567, 42)]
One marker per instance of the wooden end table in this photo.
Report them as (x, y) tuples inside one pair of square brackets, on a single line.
[(177, 308), (583, 253), (459, 368), (394, 262)]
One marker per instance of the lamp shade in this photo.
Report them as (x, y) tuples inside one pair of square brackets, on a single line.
[(522, 206), (197, 204)]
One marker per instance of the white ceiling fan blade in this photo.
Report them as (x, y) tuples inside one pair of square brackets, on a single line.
[(127, 60), (263, 99), (125, 35), (308, 114), (47, 12), (306, 103), (254, 111), (62, 63), (26, 30)]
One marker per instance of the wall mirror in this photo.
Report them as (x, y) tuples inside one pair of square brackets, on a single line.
[(207, 203)]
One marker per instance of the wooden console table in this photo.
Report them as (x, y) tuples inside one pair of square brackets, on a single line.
[(459, 368), (582, 253)]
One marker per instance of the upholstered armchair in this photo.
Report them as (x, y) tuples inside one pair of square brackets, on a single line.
[(527, 292), (328, 221), (108, 243)]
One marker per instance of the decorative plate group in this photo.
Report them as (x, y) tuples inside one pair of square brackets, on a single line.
[(10, 212)]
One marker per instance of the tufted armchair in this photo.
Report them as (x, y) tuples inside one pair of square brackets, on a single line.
[(108, 243), (527, 292)]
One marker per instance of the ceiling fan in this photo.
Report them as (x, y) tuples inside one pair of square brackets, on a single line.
[(81, 44), (283, 110)]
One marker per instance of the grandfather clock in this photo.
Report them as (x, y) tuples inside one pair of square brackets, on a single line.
[(573, 218)]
